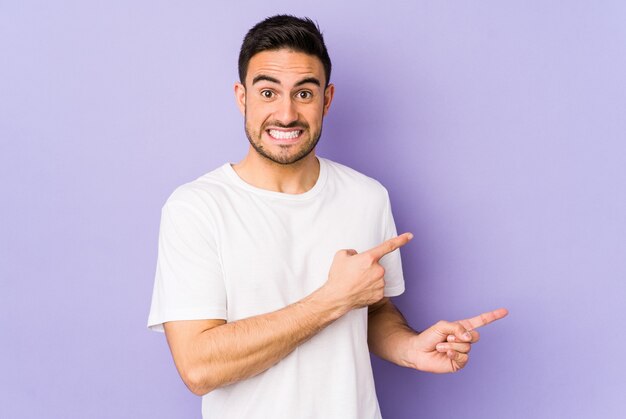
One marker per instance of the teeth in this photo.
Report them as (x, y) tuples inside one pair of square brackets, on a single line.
[(284, 135)]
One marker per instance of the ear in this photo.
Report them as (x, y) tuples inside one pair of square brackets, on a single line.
[(240, 97), (328, 97)]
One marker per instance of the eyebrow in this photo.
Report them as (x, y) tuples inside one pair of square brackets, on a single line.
[(309, 80), (263, 77)]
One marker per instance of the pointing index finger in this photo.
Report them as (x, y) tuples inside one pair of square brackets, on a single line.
[(390, 245), (483, 319)]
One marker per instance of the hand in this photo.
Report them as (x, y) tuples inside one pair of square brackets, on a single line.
[(357, 279), (444, 347)]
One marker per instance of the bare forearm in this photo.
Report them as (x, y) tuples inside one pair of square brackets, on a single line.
[(244, 348), (388, 334), (211, 353)]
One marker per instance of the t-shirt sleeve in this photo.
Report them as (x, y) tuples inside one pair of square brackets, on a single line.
[(188, 284), (394, 278)]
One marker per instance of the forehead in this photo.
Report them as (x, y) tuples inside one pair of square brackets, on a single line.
[(285, 65)]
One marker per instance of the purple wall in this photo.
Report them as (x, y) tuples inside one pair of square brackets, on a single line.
[(499, 129)]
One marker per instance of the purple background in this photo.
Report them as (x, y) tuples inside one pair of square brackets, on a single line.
[(499, 129)]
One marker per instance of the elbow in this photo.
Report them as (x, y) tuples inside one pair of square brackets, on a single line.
[(198, 390), (197, 382)]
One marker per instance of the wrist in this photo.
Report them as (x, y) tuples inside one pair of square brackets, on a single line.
[(324, 301), (407, 355)]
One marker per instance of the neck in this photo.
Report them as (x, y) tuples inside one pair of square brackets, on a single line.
[(295, 178)]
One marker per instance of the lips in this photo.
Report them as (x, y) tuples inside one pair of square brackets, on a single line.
[(284, 135)]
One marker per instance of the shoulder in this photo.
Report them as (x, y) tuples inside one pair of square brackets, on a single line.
[(348, 177), (201, 193)]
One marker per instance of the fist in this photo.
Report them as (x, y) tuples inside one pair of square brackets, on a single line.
[(357, 279)]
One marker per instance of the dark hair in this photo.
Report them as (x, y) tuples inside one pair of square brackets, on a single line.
[(283, 31)]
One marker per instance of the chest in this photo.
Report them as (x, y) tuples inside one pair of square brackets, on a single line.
[(274, 253)]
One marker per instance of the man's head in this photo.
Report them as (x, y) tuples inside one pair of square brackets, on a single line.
[(284, 91), (284, 32)]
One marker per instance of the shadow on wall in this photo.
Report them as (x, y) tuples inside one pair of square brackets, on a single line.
[(354, 129)]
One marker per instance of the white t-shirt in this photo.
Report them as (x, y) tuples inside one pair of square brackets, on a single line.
[(229, 250)]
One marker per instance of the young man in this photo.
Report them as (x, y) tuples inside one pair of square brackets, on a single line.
[(264, 314)]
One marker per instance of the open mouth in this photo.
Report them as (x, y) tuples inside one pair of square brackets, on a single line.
[(284, 135)]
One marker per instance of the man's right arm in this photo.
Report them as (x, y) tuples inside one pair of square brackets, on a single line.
[(212, 353)]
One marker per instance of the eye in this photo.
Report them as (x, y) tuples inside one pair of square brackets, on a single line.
[(305, 95), (267, 94)]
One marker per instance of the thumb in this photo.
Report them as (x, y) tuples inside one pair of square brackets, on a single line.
[(440, 331), (458, 331), (455, 329)]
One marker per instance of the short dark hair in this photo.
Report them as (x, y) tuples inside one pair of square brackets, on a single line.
[(284, 31)]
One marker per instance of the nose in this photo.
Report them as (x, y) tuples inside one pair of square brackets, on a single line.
[(287, 111)]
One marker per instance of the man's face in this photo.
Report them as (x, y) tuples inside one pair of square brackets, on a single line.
[(284, 102)]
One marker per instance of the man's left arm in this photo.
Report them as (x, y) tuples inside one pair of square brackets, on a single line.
[(442, 348)]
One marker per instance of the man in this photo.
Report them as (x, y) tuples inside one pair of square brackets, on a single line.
[(265, 315)]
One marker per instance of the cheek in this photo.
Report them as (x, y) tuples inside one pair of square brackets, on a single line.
[(258, 111), (254, 122), (252, 115), (315, 114)]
